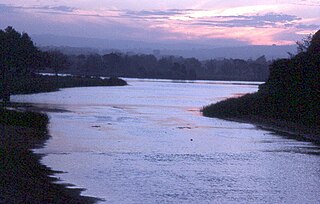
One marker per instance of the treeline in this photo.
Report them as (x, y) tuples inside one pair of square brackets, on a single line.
[(21, 60), (291, 93), (294, 84), (170, 67)]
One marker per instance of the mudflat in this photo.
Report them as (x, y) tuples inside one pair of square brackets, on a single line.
[(23, 179)]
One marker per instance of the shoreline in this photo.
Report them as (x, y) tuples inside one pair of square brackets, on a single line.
[(23, 178), (292, 130), (44, 84)]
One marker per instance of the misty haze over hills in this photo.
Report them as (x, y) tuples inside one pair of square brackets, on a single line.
[(80, 45)]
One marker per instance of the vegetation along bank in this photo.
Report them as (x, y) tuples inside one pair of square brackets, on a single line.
[(289, 100), (23, 179)]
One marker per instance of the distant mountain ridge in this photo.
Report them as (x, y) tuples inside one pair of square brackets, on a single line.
[(187, 49)]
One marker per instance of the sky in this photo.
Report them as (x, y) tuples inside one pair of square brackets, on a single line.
[(223, 23)]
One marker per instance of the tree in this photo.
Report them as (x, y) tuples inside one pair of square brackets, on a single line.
[(112, 63), (294, 84), (57, 61), (18, 57), (314, 47), (93, 64), (304, 44)]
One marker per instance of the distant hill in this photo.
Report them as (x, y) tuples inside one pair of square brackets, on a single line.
[(244, 52), (80, 45)]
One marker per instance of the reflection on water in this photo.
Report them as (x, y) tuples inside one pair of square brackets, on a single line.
[(148, 143)]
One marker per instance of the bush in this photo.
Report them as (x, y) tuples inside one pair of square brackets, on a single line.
[(38, 83), (24, 119)]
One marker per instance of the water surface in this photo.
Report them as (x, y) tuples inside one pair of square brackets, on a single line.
[(148, 143)]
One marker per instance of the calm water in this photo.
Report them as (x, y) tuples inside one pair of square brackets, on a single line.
[(148, 143)]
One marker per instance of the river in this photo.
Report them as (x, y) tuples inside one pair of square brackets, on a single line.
[(148, 143)]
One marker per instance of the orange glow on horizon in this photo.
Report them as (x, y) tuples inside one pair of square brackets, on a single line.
[(250, 35)]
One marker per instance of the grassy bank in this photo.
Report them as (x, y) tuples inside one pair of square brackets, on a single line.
[(288, 100), (38, 83), (32, 120), (267, 112), (23, 179)]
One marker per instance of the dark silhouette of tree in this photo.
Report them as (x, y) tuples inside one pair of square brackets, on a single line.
[(261, 60), (291, 93), (192, 75), (168, 67), (314, 47), (302, 46), (293, 85), (112, 63), (93, 65), (18, 57), (57, 61)]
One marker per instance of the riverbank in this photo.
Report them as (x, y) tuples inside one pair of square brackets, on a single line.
[(23, 179), (262, 111), (289, 129), (289, 100), (41, 83)]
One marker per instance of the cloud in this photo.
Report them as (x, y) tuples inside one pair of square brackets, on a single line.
[(306, 3), (160, 24), (6, 8), (11, 8), (311, 26), (192, 17), (168, 12), (170, 16), (65, 9), (257, 21), (153, 13)]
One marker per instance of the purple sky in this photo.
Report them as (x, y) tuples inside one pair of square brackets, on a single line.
[(225, 22)]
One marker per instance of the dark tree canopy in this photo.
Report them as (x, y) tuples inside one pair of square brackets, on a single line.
[(168, 67), (314, 47), (304, 44), (18, 53), (18, 57), (291, 93), (295, 83), (56, 60)]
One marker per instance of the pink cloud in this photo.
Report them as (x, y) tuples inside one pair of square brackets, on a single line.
[(235, 23)]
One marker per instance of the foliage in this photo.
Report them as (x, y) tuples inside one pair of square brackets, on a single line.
[(303, 45), (18, 57), (56, 61), (24, 119), (169, 67), (314, 48), (18, 54), (291, 92), (38, 83)]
